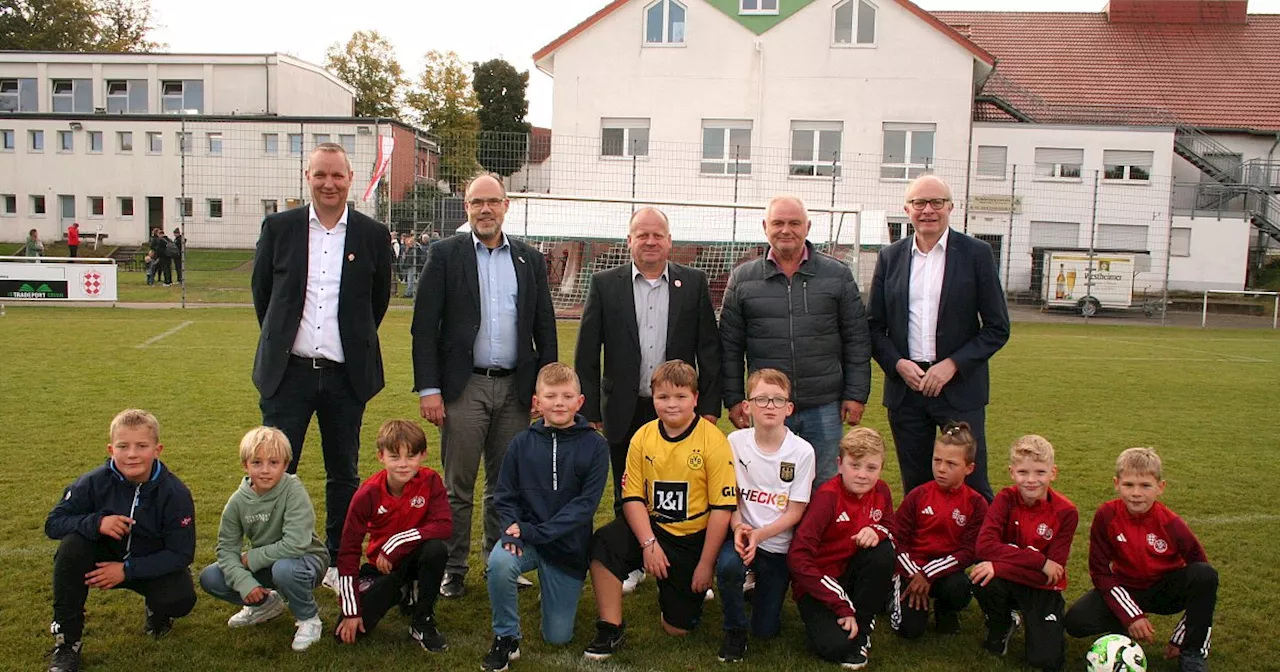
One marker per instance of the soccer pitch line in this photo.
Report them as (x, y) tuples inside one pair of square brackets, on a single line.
[(1223, 356), (143, 345)]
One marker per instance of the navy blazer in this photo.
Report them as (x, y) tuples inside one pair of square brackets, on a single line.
[(973, 320), (279, 286)]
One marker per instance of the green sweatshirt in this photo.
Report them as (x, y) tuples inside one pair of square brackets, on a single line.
[(279, 524)]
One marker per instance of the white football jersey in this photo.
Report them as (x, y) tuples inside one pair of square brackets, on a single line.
[(768, 481)]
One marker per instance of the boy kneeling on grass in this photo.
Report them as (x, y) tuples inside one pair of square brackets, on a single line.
[(129, 523), (549, 488), (1144, 558), (678, 494), (404, 512), (285, 560)]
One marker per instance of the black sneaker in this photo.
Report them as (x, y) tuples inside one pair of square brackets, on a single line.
[(425, 633), (947, 622), (452, 586), (503, 651), (997, 641), (734, 648), (856, 660), (65, 658), (608, 641), (157, 626), (1192, 662)]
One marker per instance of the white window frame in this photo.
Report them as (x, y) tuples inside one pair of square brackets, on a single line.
[(120, 202), (910, 169), (348, 142), (1059, 171), (186, 208), (290, 138), (816, 162), (758, 7), (126, 96), (5, 210), (94, 135), (155, 142), (69, 95), (979, 163), (121, 138), (210, 203), (166, 97), (185, 140), (43, 210), (319, 138), (667, 39), (1180, 241), (728, 166), (8, 140), (214, 142), (99, 201), (33, 136), (271, 144), (14, 92), (628, 126), (854, 42), (66, 142), (1130, 170), (272, 204)]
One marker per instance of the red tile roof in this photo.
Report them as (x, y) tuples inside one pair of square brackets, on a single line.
[(1060, 65)]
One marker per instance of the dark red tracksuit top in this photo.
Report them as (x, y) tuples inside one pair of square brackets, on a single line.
[(936, 531), (1017, 538)]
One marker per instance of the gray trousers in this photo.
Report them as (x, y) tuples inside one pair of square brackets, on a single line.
[(480, 423)]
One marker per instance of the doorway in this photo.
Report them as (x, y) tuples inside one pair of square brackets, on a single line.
[(155, 214)]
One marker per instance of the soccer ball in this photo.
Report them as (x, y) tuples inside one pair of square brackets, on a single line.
[(1115, 653)]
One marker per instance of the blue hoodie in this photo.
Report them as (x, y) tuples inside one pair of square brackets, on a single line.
[(550, 483)]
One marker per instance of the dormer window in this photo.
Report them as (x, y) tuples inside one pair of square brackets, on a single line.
[(664, 23), (853, 23), (749, 7)]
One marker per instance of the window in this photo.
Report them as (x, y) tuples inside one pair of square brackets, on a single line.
[(97, 206), (215, 208), (348, 143), (853, 23), (215, 144), (992, 162), (1128, 165), (184, 207), (126, 206), (295, 144), (10, 204), (182, 96), (899, 227), (1121, 237), (66, 141), (270, 144), (320, 137), (908, 150), (1054, 162), (155, 142), (124, 141), (95, 142), (624, 137), (664, 23), (126, 96), (757, 6), (1055, 234), (37, 205), (1180, 241), (184, 142), (37, 140), (6, 139), (726, 147), (291, 203), (72, 95), (270, 206), (815, 148), (18, 95)]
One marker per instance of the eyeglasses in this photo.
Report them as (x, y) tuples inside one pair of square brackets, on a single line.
[(766, 402), (478, 203), (919, 203)]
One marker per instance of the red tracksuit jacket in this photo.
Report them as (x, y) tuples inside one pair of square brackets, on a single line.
[(1017, 538), (1128, 551), (936, 531)]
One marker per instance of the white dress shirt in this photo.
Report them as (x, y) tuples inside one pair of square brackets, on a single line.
[(318, 335), (924, 295)]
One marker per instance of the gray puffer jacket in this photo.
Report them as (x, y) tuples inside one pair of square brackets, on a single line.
[(812, 327)]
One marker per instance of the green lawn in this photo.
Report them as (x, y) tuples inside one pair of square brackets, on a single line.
[(1203, 399)]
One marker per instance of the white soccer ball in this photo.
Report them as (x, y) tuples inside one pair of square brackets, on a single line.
[(1115, 653)]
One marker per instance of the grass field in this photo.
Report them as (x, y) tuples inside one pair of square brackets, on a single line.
[(1204, 399)]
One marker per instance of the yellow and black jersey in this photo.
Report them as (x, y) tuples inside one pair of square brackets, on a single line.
[(680, 479)]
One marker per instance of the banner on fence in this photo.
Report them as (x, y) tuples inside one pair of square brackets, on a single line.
[(55, 281)]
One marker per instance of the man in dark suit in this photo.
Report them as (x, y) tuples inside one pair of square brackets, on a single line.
[(937, 315), (321, 284), (643, 314), (483, 326)]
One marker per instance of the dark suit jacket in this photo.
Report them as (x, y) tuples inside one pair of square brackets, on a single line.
[(279, 286), (973, 321), (446, 317), (609, 321)]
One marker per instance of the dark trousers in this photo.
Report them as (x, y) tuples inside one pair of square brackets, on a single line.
[(380, 592), (950, 593), (171, 595), (327, 394), (1042, 617), (177, 267), (73, 250), (866, 582), (772, 580), (915, 424), (1193, 589), (643, 415), (166, 270)]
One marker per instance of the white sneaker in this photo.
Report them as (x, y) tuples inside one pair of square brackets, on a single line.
[(309, 632), (749, 583), (252, 615), (711, 595), (523, 584), (635, 578), (331, 579)]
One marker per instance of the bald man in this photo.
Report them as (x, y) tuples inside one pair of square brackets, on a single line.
[(799, 311), (937, 315), (483, 326)]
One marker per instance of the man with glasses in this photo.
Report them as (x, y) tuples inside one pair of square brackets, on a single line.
[(483, 326), (937, 315), (799, 311)]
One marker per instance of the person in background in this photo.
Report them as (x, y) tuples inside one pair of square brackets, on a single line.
[(73, 239), (35, 246), (178, 247)]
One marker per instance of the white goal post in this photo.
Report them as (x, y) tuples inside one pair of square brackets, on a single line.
[(1204, 310)]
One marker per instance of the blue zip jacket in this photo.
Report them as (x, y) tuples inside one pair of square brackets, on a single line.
[(550, 483), (163, 537)]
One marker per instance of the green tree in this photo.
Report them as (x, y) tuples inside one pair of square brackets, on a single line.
[(77, 25), (446, 105), (368, 63), (504, 134)]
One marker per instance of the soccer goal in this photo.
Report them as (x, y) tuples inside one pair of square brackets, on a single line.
[(1239, 308)]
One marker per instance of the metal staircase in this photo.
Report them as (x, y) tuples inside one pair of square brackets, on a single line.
[(1225, 168)]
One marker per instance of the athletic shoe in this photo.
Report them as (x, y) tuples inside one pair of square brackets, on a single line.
[(635, 578), (331, 579), (426, 634), (503, 651), (711, 595), (856, 660), (523, 583), (734, 647), (157, 626), (308, 633), (254, 614), (65, 658), (998, 642), (609, 639), (749, 585), (452, 586), (947, 622)]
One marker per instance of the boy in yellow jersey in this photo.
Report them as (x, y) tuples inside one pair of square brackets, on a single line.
[(678, 493)]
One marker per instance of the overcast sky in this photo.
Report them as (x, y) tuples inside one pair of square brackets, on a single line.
[(476, 29)]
